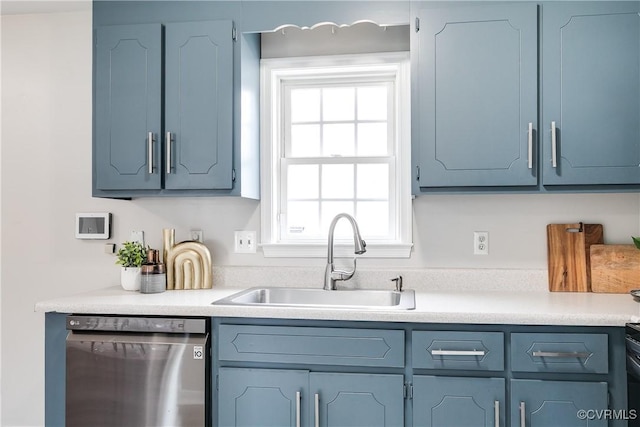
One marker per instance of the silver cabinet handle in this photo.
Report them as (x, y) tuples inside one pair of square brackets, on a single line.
[(523, 417), (298, 398), (496, 413), (567, 354), (316, 416), (530, 146), (458, 352), (554, 153), (150, 139), (168, 143)]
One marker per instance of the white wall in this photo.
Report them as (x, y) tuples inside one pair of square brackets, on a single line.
[(46, 99), (46, 178), (0, 225)]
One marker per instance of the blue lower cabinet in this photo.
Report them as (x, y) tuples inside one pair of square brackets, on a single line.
[(311, 345), (281, 398), (440, 401), (261, 397), (538, 403), (475, 351), (560, 352), (356, 400)]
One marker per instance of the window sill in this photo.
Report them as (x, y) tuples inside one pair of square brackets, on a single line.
[(318, 250)]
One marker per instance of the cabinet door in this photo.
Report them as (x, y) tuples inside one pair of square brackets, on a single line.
[(349, 400), (537, 403), (127, 107), (476, 96), (458, 402), (260, 397), (199, 105), (591, 91)]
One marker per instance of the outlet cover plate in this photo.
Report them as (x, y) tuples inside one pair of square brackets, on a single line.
[(245, 242), (481, 243), (137, 236)]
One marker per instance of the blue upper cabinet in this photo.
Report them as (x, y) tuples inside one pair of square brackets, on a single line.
[(135, 151), (475, 116), (591, 93), (127, 107), (197, 93), (198, 105), (475, 96)]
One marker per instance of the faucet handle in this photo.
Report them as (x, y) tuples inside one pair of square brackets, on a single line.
[(398, 281), (343, 274)]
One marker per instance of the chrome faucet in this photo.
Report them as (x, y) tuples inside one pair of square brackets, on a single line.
[(331, 275)]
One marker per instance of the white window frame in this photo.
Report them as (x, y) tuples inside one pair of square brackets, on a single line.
[(274, 74)]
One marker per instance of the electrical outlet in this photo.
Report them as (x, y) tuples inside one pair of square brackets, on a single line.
[(245, 242), (197, 236), (481, 243)]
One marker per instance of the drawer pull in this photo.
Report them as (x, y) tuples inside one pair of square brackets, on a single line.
[(568, 354), (523, 415), (458, 352), (496, 413)]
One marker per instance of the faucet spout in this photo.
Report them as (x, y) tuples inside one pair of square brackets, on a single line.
[(331, 275)]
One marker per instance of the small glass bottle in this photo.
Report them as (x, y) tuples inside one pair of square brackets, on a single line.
[(153, 278)]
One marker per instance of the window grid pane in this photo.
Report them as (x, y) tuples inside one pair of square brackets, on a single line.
[(360, 189), (353, 120), (339, 119)]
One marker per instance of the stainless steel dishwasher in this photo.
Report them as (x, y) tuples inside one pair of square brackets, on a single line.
[(137, 371)]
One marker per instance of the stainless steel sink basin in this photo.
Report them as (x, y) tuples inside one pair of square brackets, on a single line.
[(318, 298)]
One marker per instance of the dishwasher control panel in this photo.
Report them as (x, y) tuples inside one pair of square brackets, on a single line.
[(136, 324)]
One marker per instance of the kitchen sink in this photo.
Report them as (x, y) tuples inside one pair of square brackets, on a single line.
[(319, 298)]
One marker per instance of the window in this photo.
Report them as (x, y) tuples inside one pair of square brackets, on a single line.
[(335, 138)]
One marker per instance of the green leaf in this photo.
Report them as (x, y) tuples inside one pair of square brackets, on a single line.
[(131, 254), (636, 241)]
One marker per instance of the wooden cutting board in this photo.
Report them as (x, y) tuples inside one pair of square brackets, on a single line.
[(615, 268), (568, 255)]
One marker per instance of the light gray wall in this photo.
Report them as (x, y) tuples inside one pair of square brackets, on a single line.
[(46, 178)]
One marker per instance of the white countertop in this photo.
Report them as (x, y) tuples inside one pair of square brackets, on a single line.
[(437, 306)]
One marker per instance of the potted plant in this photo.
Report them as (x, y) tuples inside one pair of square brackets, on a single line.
[(131, 256)]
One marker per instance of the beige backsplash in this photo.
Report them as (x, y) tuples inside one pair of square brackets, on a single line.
[(418, 279)]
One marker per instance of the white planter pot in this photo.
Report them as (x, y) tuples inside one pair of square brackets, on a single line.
[(130, 278)]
